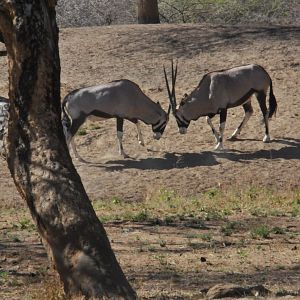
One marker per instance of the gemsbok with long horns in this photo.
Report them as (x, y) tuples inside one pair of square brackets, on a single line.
[(221, 90), (120, 99)]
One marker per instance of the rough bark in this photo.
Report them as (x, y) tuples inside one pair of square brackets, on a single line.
[(39, 160), (148, 12)]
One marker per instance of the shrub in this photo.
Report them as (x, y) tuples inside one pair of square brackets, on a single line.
[(76, 13)]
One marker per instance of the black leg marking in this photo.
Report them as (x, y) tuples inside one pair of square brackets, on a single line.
[(120, 123), (223, 116), (261, 97), (248, 111)]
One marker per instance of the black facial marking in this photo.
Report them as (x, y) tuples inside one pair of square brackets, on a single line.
[(160, 128), (182, 122)]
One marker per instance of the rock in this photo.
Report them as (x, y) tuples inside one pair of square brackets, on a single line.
[(202, 259), (234, 291)]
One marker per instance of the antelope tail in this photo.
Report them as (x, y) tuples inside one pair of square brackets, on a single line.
[(66, 119), (272, 101)]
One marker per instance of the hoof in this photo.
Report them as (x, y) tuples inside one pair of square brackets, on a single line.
[(233, 138), (219, 147), (266, 139), (124, 155), (80, 159), (142, 143)]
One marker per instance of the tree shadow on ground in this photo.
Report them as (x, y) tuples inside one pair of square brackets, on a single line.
[(208, 272), (290, 150), (175, 41), (20, 254), (219, 36), (202, 280)]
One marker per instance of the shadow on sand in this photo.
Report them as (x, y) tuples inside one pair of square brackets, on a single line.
[(174, 160), (290, 150)]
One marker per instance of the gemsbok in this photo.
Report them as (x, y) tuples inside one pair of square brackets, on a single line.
[(120, 99), (221, 90), (4, 106)]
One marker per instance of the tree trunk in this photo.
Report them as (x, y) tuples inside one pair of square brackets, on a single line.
[(148, 12), (39, 160)]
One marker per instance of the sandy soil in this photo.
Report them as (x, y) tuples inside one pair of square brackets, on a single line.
[(184, 163)]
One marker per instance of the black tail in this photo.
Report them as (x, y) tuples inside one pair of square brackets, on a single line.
[(272, 102), (66, 120)]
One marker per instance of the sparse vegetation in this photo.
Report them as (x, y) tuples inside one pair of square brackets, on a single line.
[(77, 13), (167, 207), (228, 11), (261, 231), (230, 227), (206, 237), (81, 132), (94, 126), (26, 224)]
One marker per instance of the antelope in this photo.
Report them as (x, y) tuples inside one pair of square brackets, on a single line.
[(120, 99), (4, 106), (220, 90)]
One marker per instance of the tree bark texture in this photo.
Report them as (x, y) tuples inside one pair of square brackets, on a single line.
[(39, 160), (148, 12)]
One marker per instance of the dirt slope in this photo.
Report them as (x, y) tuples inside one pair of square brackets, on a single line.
[(183, 162)]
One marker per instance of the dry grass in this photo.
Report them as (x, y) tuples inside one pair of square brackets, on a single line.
[(167, 206)]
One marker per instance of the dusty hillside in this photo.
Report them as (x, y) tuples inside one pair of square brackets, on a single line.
[(187, 163)]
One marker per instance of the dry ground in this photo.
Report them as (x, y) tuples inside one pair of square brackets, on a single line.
[(167, 259)]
